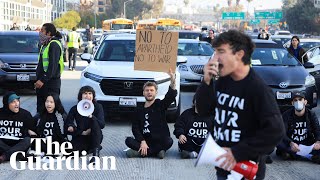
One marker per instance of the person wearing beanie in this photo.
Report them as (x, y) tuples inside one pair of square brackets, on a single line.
[(14, 124)]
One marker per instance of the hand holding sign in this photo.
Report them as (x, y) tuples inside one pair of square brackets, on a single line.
[(156, 50), (172, 79)]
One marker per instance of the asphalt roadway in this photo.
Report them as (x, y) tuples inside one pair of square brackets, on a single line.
[(171, 168)]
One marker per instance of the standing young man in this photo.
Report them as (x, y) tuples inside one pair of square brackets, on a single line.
[(150, 128), (248, 123)]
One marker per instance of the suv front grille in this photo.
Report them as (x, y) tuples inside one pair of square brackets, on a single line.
[(21, 67), (123, 87), (289, 87), (198, 69)]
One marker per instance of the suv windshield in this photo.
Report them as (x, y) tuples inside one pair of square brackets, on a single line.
[(116, 50), (194, 49), (19, 44), (273, 56)]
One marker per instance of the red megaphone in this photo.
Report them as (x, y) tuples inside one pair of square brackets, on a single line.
[(247, 168)]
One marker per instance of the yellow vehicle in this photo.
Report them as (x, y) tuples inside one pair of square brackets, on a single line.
[(160, 24), (117, 24)]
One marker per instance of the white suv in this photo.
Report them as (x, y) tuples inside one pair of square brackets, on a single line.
[(118, 86)]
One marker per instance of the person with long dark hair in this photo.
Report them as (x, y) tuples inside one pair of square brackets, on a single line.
[(50, 122), (50, 65), (86, 130), (296, 50)]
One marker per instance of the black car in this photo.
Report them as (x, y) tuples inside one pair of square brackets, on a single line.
[(18, 59), (283, 73)]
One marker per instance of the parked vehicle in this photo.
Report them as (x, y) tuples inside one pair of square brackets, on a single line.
[(19, 52), (197, 54), (283, 73), (118, 86)]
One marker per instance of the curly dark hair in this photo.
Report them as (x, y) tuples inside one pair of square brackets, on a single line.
[(86, 89), (238, 41)]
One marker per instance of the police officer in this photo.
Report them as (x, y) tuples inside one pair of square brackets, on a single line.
[(50, 65), (73, 43)]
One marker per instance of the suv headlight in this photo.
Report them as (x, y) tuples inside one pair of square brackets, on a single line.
[(4, 65), (93, 77), (183, 67), (310, 81)]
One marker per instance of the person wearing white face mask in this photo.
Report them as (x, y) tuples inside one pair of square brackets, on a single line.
[(302, 128)]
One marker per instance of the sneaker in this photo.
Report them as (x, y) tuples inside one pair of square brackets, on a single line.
[(315, 159), (269, 159), (185, 154), (70, 68), (161, 154), (132, 153), (193, 154), (73, 69)]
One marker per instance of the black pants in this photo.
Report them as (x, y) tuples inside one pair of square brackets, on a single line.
[(89, 142), (8, 147), (51, 87), (282, 147), (154, 146), (72, 53), (189, 146)]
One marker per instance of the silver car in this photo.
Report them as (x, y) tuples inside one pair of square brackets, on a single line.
[(197, 54)]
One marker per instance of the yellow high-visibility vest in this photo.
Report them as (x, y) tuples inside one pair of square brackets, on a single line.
[(45, 56), (73, 39)]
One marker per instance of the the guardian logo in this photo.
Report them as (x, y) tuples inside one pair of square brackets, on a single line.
[(73, 161)]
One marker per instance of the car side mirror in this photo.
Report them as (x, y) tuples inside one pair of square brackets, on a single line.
[(86, 57), (181, 60), (308, 65)]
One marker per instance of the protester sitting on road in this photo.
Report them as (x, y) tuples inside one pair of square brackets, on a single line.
[(50, 122), (302, 128), (191, 129), (14, 123), (86, 131), (150, 128)]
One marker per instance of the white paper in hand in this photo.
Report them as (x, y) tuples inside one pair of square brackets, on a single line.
[(304, 150)]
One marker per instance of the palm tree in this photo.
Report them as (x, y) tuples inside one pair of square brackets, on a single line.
[(237, 2), (229, 3)]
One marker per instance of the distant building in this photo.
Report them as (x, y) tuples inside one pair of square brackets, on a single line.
[(29, 12)]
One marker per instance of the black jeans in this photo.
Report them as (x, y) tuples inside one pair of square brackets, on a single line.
[(189, 146), (88, 142), (51, 87), (72, 53), (282, 147), (8, 147), (154, 146)]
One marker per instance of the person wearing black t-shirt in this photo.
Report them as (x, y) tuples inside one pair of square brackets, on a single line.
[(191, 129), (150, 128), (248, 123), (50, 122), (302, 127), (15, 123), (86, 130)]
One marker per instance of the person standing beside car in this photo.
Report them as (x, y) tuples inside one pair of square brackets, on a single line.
[(73, 43), (50, 65), (296, 50)]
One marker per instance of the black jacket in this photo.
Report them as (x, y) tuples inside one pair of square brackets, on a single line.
[(156, 118), (82, 123), (300, 54), (53, 72), (257, 126), (58, 128), (193, 126), (312, 125)]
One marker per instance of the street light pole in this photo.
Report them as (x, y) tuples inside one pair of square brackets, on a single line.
[(95, 14), (124, 7)]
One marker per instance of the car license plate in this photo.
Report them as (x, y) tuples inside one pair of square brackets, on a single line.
[(23, 77), (127, 102), (283, 95)]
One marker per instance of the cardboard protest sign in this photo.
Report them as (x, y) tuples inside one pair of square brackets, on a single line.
[(156, 50)]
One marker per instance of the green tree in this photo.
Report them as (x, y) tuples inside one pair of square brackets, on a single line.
[(67, 21), (302, 17)]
